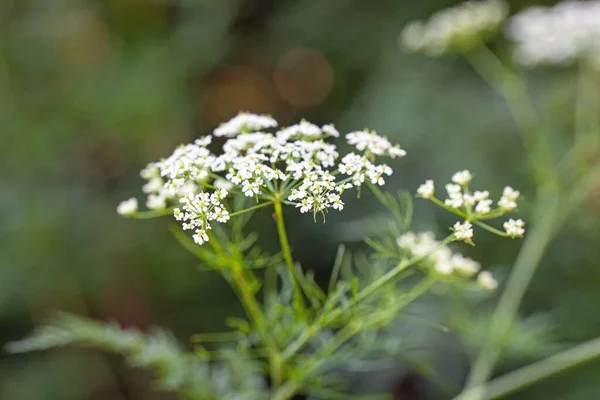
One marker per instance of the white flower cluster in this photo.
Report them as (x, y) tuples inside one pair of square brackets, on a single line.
[(294, 164), (442, 259), (199, 210), (557, 35), (473, 206), (455, 29), (245, 122)]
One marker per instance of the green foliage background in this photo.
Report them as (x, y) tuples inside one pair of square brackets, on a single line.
[(90, 91)]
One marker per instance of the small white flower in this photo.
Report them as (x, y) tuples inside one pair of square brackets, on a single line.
[(128, 207), (245, 122), (481, 195), (484, 206), (426, 190), (487, 280), (462, 177), (330, 130), (150, 171), (156, 202), (463, 231), (514, 228), (373, 143), (464, 265), (154, 185)]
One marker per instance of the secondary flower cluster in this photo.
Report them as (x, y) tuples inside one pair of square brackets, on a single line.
[(457, 28), (442, 259), (557, 35), (295, 165), (474, 206)]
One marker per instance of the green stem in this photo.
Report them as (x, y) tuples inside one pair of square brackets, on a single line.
[(508, 84), (256, 315), (525, 266), (256, 207), (533, 373), (316, 327), (289, 262), (150, 214)]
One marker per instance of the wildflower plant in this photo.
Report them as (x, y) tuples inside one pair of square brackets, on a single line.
[(298, 337), (298, 334)]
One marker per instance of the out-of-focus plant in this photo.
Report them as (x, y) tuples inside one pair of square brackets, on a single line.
[(566, 35), (298, 335)]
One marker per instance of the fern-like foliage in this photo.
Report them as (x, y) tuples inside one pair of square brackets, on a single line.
[(176, 370)]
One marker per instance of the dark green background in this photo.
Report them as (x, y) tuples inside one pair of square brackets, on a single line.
[(90, 91)]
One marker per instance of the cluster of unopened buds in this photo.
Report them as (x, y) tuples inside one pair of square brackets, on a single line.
[(443, 260), (294, 165), (475, 206)]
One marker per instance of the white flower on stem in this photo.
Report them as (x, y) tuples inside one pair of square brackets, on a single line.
[(375, 144), (222, 184), (455, 197), (514, 228), (557, 35), (443, 260), (156, 202), (463, 231), (462, 177), (508, 201), (486, 280), (150, 171), (426, 190), (457, 28), (330, 130), (128, 207), (464, 265), (484, 207), (154, 185), (245, 122)]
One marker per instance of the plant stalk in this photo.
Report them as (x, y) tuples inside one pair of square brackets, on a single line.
[(299, 304)]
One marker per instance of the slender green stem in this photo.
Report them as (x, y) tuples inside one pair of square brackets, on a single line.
[(289, 262), (508, 84), (533, 373), (348, 333), (151, 214), (256, 315), (525, 266), (318, 325), (256, 207)]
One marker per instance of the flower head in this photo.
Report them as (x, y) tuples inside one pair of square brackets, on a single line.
[(457, 28), (514, 228), (557, 35), (441, 257), (245, 122), (128, 207), (295, 164), (487, 280), (462, 177), (426, 190), (463, 231)]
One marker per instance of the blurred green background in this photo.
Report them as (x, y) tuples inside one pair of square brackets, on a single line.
[(91, 91)]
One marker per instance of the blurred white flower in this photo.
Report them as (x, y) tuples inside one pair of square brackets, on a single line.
[(426, 190), (557, 35), (443, 260), (458, 28), (128, 207), (487, 280), (508, 201), (245, 122), (462, 177)]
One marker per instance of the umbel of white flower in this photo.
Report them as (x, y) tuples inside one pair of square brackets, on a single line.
[(294, 165), (474, 207), (557, 35), (458, 28), (441, 258)]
